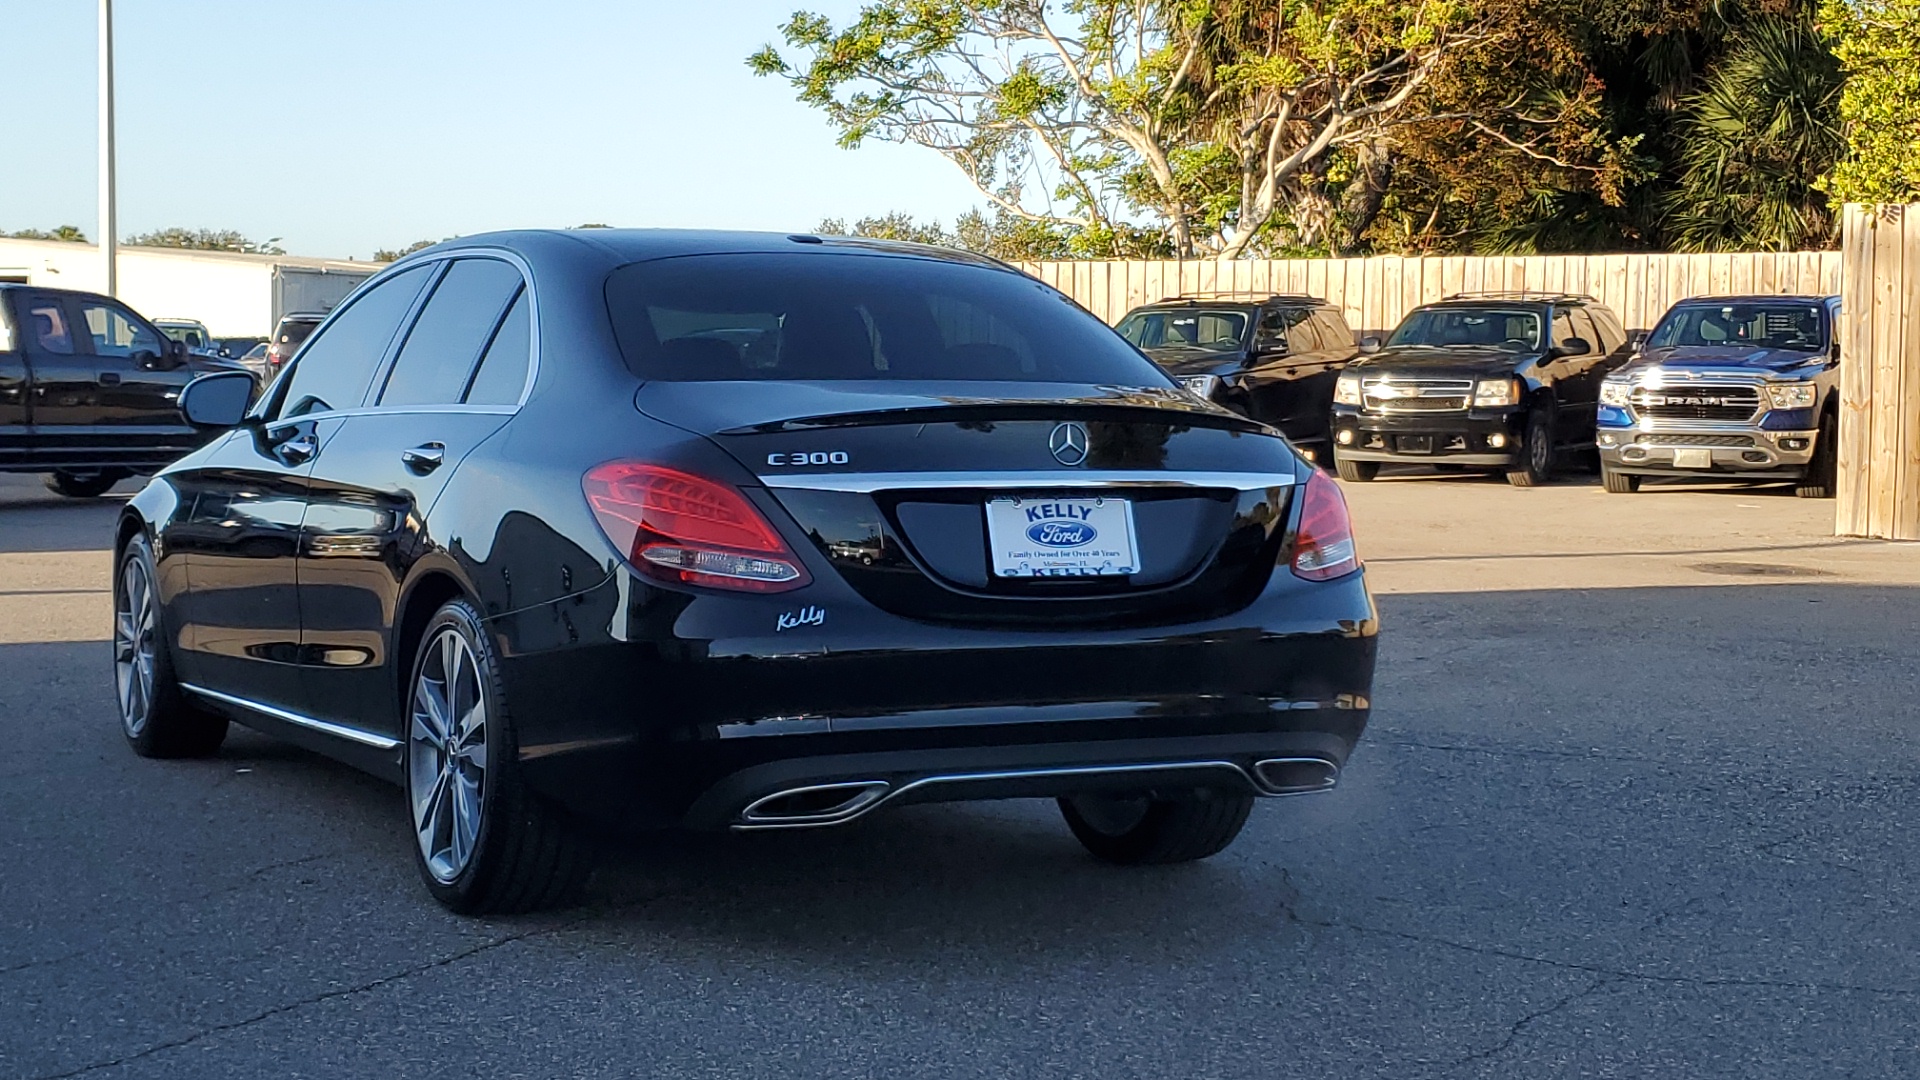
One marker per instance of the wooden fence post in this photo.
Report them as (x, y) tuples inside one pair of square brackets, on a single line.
[(1879, 466)]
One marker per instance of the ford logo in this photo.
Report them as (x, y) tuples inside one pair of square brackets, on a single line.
[(1061, 534)]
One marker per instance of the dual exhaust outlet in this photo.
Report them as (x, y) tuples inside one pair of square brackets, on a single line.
[(832, 804)]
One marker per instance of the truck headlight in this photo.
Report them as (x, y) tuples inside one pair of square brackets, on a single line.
[(1201, 385), (1616, 393), (1346, 390), (1791, 395), (1494, 392)]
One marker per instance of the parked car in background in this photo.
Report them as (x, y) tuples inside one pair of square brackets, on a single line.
[(255, 360), (742, 532), (89, 389), (1271, 357), (233, 348), (189, 332), (1729, 388), (294, 328), (1501, 381)]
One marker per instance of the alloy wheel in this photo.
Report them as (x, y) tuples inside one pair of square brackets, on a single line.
[(133, 644), (447, 755)]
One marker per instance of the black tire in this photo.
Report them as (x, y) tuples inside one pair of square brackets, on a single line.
[(84, 483), (156, 716), (1354, 472), (1822, 474), (1143, 830), (524, 854), (1536, 461), (1619, 483)]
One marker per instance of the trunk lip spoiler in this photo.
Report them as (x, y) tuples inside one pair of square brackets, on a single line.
[(1028, 480)]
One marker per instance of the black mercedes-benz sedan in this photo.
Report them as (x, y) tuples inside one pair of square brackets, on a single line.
[(741, 531)]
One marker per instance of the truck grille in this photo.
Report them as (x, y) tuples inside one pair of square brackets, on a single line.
[(1417, 395), (1733, 403), (1694, 440)]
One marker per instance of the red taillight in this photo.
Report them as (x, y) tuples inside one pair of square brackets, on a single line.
[(1323, 549), (680, 527)]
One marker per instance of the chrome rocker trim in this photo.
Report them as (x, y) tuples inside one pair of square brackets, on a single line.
[(339, 731)]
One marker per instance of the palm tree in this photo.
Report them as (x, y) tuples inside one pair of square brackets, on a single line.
[(1754, 142)]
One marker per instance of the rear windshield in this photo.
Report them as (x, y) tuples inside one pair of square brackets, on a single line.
[(1793, 327), (1453, 327), (295, 331), (819, 315), (1219, 331)]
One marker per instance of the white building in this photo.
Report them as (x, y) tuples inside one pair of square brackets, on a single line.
[(234, 295)]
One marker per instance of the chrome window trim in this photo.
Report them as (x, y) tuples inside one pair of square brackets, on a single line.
[(444, 259), (867, 483), (341, 731)]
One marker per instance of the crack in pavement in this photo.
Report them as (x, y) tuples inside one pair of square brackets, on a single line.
[(41, 963), (1606, 972), (1521, 1025), (371, 984), (220, 1029)]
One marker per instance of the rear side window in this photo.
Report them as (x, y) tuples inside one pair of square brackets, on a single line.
[(294, 331), (437, 361), (1335, 334), (333, 371), (503, 371), (826, 316)]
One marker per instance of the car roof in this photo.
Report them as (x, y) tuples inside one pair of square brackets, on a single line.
[(1236, 299), (617, 247), (1756, 298)]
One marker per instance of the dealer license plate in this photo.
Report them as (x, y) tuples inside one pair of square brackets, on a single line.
[(1061, 537), (1693, 457)]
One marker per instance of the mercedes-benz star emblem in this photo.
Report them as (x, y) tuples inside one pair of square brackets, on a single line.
[(1069, 443)]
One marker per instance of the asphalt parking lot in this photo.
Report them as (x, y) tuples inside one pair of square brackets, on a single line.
[(1639, 800)]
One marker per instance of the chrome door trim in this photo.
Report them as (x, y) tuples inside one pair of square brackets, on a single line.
[(867, 483), (340, 731)]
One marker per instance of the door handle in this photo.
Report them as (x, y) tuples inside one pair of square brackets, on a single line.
[(424, 458), (109, 378)]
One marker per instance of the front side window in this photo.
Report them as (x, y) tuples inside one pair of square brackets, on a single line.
[(829, 316), (1470, 327), (115, 332), (1216, 331), (333, 370), (437, 361), (1792, 327)]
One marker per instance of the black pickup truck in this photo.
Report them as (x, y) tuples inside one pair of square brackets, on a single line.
[(89, 389)]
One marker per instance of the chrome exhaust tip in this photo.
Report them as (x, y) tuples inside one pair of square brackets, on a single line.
[(1295, 776), (815, 804)]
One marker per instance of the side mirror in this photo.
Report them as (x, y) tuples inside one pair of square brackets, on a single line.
[(1638, 341), (1369, 344), (218, 400), (1270, 346), (1573, 346)]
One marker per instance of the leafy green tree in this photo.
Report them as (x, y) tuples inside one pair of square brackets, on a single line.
[(206, 240), (1755, 143), (1204, 116), (392, 254), (69, 234), (1878, 45), (894, 226)]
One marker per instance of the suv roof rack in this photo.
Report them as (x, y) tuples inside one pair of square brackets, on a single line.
[(1517, 294), (1259, 295)]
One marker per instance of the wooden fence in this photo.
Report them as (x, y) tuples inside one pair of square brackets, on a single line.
[(1376, 292), (1880, 374)]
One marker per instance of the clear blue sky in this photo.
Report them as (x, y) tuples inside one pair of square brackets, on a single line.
[(347, 125)]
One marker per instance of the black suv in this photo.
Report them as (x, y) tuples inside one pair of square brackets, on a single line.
[(89, 390), (1504, 381), (1273, 358)]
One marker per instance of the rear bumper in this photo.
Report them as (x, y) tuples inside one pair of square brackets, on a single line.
[(1463, 438), (680, 723)]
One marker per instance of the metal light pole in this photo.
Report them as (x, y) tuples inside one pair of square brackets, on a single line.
[(108, 224)]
